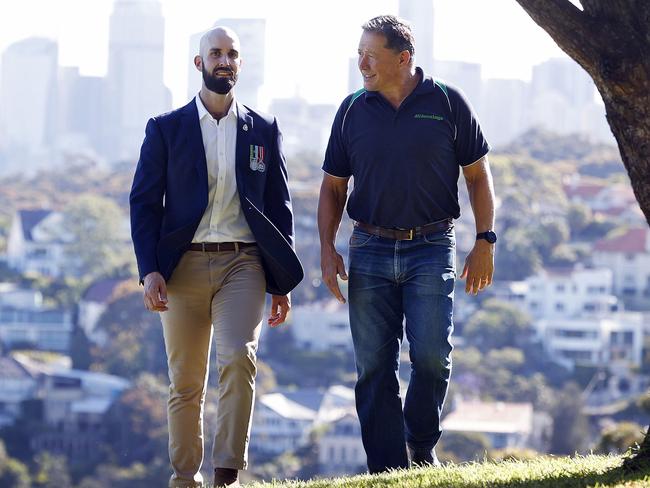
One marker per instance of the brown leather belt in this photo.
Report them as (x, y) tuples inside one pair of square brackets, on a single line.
[(219, 246), (405, 234)]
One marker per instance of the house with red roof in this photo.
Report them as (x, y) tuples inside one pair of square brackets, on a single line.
[(627, 254)]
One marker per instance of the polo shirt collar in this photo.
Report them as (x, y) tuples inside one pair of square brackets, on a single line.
[(424, 86)]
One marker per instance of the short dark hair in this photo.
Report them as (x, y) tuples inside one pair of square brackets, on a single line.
[(398, 33)]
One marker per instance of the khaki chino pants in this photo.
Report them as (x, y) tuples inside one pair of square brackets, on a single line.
[(220, 294)]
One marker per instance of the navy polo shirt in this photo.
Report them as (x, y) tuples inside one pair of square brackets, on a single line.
[(405, 163)]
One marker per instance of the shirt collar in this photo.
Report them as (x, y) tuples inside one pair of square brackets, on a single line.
[(425, 85), (203, 112)]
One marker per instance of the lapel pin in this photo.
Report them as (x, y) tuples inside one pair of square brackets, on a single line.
[(245, 127)]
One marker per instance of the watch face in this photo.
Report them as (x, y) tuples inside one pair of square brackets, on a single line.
[(491, 237)]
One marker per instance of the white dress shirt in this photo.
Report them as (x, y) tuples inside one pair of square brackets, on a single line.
[(223, 220)]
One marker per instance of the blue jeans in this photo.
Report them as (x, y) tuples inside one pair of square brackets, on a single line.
[(391, 281)]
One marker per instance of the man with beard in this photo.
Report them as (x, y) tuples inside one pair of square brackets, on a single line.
[(212, 229), (404, 139)]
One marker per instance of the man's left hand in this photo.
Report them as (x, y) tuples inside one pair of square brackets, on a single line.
[(280, 306), (479, 267)]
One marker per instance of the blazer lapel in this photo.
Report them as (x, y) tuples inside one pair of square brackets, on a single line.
[(244, 131), (194, 139)]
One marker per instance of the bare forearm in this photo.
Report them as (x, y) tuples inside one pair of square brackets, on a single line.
[(330, 210), (481, 197)]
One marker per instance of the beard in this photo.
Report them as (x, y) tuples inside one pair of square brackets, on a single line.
[(219, 84)]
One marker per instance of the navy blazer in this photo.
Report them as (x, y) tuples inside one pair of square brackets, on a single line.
[(170, 193)]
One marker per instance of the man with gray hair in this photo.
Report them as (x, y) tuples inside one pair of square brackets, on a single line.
[(404, 139), (212, 228)]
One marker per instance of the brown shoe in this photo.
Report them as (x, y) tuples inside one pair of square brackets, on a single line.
[(226, 478)]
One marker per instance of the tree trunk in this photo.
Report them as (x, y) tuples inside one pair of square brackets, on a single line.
[(610, 39)]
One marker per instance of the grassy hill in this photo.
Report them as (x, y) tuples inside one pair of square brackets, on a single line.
[(542, 472)]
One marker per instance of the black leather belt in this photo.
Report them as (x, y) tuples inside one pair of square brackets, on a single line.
[(219, 246), (405, 234)]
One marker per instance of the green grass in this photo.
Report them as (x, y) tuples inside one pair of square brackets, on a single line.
[(542, 472)]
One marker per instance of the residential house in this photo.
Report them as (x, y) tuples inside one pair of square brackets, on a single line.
[(505, 425), (321, 326), (569, 292), (17, 384), (614, 339), (627, 254), (601, 197), (25, 322), (48, 330), (583, 190), (288, 420), (37, 241), (13, 296), (280, 424), (70, 407), (340, 449), (92, 305)]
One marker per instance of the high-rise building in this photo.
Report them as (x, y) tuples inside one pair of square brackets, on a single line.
[(565, 77), (563, 99), (419, 13), (505, 110), (79, 103), (28, 90), (251, 34), (134, 84), (305, 127), (466, 76)]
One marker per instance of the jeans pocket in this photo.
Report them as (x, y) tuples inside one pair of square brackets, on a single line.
[(441, 237), (359, 238)]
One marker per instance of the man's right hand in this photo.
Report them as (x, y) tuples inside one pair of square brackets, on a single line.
[(331, 266), (155, 292)]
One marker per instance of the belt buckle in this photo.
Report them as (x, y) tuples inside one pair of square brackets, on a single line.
[(203, 247), (409, 235)]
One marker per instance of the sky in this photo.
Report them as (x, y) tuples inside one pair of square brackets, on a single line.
[(309, 42)]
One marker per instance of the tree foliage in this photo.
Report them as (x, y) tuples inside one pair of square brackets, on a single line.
[(96, 226), (619, 437), (137, 422), (570, 429), (498, 325), (134, 339)]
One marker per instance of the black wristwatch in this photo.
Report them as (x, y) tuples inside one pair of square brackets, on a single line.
[(488, 235)]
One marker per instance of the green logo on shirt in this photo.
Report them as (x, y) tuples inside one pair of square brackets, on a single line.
[(429, 116)]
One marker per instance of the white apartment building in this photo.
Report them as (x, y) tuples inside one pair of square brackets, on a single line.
[(321, 326), (12, 296), (24, 321), (35, 327), (566, 293), (614, 339)]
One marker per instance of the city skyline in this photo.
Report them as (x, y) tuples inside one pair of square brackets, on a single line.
[(464, 30)]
